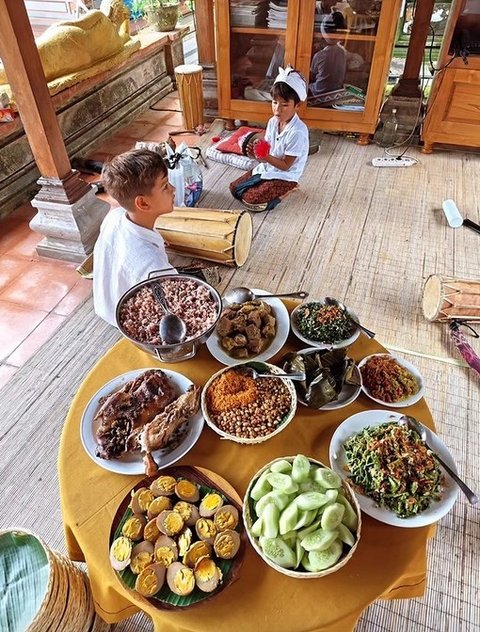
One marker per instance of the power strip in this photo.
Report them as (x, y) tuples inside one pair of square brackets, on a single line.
[(391, 161)]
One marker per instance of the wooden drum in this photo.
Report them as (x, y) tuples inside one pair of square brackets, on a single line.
[(446, 298), (190, 90), (221, 236)]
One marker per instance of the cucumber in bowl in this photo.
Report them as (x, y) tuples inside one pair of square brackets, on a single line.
[(301, 518)]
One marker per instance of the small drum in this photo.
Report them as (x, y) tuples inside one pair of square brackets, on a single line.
[(447, 298), (190, 90), (221, 236)]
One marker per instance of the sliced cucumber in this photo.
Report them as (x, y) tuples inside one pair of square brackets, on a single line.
[(282, 482), (320, 560), (290, 538), (270, 519), (277, 551), (257, 528), (306, 563), (332, 495), (311, 486), (282, 467), (311, 500), (279, 499), (288, 518), (350, 518), (332, 516), (300, 468), (328, 478), (310, 529), (261, 487), (345, 535), (305, 518), (299, 552), (319, 540)]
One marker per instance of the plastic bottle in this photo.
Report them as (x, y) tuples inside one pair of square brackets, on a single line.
[(452, 213), (389, 133)]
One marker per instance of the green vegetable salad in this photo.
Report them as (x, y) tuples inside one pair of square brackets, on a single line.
[(323, 323), (392, 465)]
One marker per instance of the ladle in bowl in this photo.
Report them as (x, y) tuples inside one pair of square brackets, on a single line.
[(172, 328), (244, 294), (416, 426), (251, 372), (333, 301)]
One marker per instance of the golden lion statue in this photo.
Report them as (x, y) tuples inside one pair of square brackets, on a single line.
[(69, 47)]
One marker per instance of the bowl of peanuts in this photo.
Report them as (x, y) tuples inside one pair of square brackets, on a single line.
[(245, 409)]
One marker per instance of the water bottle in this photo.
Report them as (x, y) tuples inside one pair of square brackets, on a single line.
[(389, 132)]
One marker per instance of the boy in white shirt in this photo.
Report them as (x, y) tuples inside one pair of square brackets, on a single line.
[(279, 172), (127, 248)]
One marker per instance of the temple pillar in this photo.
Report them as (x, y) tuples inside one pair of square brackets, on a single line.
[(69, 215)]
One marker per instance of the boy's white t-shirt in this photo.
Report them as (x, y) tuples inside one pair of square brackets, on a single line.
[(293, 141), (124, 255)]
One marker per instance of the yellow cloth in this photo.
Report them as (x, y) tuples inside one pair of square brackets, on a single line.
[(390, 562)]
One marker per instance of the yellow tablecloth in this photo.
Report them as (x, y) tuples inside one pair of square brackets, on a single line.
[(389, 563)]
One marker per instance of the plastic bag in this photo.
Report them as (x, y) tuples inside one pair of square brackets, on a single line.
[(175, 175), (185, 158)]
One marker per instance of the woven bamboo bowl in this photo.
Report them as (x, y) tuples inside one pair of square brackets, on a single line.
[(249, 518), (281, 426)]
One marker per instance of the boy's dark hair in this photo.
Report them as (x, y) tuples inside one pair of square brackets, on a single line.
[(284, 91), (132, 173)]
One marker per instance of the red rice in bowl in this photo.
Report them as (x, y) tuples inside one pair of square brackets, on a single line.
[(141, 313)]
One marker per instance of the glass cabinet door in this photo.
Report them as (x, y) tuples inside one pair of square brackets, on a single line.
[(258, 40), (341, 54), (466, 35)]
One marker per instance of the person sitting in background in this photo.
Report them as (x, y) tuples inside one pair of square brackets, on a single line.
[(328, 68), (280, 170), (127, 248)]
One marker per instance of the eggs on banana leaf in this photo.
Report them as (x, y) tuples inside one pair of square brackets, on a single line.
[(174, 536)]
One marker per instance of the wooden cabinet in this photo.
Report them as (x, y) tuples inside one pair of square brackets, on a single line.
[(345, 53), (453, 110)]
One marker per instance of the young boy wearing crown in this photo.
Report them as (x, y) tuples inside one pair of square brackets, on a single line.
[(283, 159)]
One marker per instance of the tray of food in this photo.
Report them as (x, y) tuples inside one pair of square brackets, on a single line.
[(301, 518), (256, 329), (247, 410), (178, 539), (142, 420), (322, 325), (391, 380), (395, 477)]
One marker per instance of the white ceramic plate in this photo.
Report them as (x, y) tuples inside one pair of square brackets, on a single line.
[(132, 463), (315, 343), (283, 327), (355, 424), (347, 395), (408, 401)]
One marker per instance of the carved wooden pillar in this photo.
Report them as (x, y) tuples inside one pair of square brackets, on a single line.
[(205, 23), (68, 215), (409, 83)]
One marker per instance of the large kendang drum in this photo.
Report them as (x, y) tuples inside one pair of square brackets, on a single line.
[(221, 236), (447, 298)]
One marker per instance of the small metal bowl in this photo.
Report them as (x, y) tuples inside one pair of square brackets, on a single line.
[(176, 352)]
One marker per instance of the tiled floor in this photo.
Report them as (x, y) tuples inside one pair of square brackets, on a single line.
[(37, 294)]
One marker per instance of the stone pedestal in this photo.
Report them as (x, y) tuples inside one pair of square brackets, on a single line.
[(408, 117), (70, 229)]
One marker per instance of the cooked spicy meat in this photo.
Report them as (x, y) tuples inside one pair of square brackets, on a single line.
[(137, 403)]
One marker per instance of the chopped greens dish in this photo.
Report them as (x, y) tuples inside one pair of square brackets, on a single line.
[(392, 465), (324, 323)]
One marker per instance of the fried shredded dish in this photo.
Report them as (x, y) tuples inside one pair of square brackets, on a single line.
[(387, 380), (392, 465), (324, 323)]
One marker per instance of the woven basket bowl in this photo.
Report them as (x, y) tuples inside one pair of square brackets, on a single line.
[(248, 521), (225, 435)]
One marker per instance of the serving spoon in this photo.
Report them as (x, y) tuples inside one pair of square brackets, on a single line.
[(251, 372), (172, 328), (244, 294), (420, 429), (333, 301)]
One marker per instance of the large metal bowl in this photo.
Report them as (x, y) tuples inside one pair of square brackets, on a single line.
[(177, 352)]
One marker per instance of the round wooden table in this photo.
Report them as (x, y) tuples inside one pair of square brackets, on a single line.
[(389, 563)]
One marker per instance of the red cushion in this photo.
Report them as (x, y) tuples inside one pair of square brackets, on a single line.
[(233, 144)]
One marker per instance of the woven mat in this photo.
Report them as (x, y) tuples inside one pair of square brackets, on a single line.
[(368, 236)]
